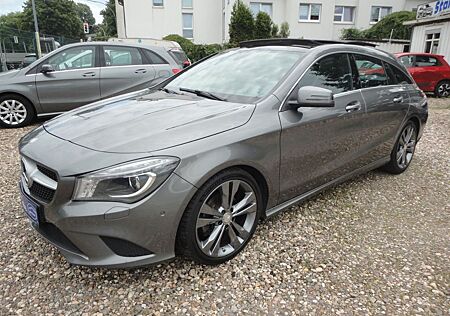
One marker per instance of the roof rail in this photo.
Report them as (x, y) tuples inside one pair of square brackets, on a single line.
[(305, 43)]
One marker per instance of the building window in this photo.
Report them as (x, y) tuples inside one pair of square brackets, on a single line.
[(158, 3), (310, 12), (188, 26), (186, 4), (432, 43), (257, 7), (344, 14), (378, 13)]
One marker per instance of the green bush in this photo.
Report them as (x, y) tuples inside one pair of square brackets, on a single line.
[(193, 51), (352, 33), (263, 25), (284, 30), (391, 22), (384, 28)]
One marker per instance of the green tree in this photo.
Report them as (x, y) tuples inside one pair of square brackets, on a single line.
[(242, 24), (55, 17), (284, 30), (11, 20), (109, 25), (275, 31), (393, 22), (263, 25), (85, 13)]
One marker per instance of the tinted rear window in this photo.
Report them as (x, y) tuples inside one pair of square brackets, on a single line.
[(179, 56)]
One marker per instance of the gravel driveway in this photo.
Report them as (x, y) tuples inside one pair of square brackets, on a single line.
[(376, 244)]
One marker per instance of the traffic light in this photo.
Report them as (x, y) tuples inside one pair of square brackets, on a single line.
[(86, 28)]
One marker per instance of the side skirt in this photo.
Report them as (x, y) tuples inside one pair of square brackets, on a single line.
[(304, 196)]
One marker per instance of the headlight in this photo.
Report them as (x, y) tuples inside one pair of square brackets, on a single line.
[(128, 182)]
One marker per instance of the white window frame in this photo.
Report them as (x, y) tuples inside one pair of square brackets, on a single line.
[(309, 12), (343, 14), (157, 5), (183, 7), (260, 7), (434, 39), (187, 28), (379, 13)]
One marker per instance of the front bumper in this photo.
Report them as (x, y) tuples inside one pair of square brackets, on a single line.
[(111, 234)]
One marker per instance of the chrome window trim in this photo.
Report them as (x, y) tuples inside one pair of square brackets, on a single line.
[(69, 70)]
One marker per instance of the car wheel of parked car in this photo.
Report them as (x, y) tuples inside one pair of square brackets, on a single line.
[(221, 218), (443, 89), (15, 111), (404, 149)]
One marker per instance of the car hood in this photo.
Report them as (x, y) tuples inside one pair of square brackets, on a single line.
[(146, 123)]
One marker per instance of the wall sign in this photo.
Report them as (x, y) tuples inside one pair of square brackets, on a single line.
[(433, 9)]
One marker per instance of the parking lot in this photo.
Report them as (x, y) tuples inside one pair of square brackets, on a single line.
[(376, 244)]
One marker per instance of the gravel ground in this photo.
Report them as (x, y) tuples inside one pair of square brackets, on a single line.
[(376, 244)]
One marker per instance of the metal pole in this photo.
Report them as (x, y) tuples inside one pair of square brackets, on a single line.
[(36, 31), (2, 60)]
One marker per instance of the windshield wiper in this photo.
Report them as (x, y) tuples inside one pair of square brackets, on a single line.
[(204, 94), (169, 91)]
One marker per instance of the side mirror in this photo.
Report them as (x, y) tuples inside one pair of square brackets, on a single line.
[(314, 97), (47, 68)]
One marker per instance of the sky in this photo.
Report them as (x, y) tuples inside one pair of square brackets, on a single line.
[(7, 6)]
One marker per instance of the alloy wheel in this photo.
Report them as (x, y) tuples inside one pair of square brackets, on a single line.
[(226, 218), (406, 146), (444, 90), (12, 112)]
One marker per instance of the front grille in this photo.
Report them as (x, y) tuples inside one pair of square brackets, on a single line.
[(43, 193), (49, 173), (125, 248)]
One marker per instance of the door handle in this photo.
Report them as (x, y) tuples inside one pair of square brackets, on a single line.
[(89, 74), (354, 106), (140, 71), (398, 99)]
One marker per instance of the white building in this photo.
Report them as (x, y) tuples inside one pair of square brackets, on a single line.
[(206, 21), (431, 29)]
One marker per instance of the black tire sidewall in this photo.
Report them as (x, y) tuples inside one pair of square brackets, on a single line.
[(30, 110), (394, 151), (192, 250), (436, 91)]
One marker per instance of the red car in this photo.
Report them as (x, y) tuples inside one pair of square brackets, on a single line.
[(431, 72)]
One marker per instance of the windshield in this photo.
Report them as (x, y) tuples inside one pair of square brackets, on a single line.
[(244, 75)]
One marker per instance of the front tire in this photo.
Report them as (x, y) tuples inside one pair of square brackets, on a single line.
[(15, 111), (442, 89), (221, 218), (404, 149)]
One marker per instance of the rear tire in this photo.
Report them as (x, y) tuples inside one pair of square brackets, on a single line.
[(221, 218), (404, 149), (443, 89), (15, 111)]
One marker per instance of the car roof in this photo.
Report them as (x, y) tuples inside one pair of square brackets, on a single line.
[(417, 54)]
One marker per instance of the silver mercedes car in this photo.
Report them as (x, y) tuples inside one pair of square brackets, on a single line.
[(78, 74), (189, 167)]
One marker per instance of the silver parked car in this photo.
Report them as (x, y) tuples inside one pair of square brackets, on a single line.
[(189, 167), (78, 74)]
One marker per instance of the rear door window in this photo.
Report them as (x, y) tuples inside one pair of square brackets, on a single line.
[(121, 56), (408, 61), (154, 58), (331, 72), (400, 76), (426, 61), (371, 71)]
